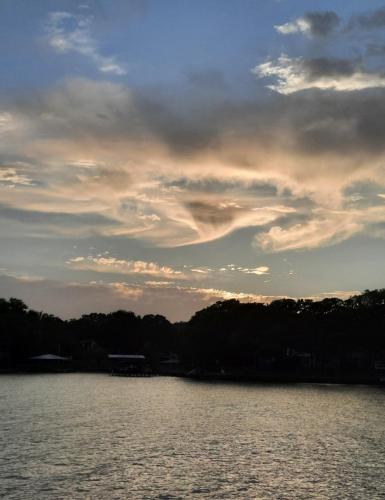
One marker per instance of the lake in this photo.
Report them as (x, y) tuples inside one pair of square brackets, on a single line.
[(96, 436)]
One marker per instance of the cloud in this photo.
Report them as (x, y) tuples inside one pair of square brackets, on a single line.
[(312, 23), (223, 217), (121, 266), (299, 25), (259, 271), (296, 74), (200, 270), (99, 166), (313, 234), (324, 23), (68, 33), (11, 176), (58, 219), (112, 265), (323, 228), (212, 294), (374, 19), (322, 67), (207, 214), (7, 122)]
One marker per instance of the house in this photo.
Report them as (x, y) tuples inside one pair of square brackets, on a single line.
[(129, 365)]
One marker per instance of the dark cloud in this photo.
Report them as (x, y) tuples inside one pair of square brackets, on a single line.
[(183, 128), (318, 120), (327, 67), (260, 189), (322, 23), (210, 214), (84, 109), (325, 122), (368, 21)]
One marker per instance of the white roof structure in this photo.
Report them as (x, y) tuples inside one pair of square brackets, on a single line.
[(126, 356), (49, 357)]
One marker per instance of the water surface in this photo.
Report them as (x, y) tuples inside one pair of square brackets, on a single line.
[(95, 436)]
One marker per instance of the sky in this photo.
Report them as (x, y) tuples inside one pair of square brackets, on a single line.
[(159, 156)]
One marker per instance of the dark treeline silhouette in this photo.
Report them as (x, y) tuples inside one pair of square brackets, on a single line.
[(304, 339)]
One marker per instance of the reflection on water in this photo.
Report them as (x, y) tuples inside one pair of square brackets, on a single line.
[(95, 436)]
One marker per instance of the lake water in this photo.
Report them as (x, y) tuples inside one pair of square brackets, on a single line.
[(101, 437)]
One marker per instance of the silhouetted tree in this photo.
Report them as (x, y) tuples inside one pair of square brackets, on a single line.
[(227, 333)]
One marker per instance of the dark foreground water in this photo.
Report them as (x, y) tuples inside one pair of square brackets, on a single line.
[(95, 436)]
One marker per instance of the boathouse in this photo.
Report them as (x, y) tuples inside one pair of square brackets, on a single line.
[(129, 364)]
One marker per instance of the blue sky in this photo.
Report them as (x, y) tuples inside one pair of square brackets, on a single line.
[(161, 155)]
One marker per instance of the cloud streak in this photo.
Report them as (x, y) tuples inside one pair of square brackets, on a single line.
[(121, 266), (68, 33)]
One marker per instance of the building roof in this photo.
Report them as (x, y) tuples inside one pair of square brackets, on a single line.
[(49, 357), (126, 356)]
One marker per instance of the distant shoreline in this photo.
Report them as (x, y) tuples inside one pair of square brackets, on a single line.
[(287, 341)]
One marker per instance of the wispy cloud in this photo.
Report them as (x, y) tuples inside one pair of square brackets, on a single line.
[(68, 33), (210, 294), (313, 234), (11, 176), (121, 266), (107, 264), (259, 271), (324, 228)]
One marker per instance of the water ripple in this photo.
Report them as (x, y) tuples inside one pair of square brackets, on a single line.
[(94, 436)]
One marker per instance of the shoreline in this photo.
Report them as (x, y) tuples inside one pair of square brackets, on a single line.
[(213, 377)]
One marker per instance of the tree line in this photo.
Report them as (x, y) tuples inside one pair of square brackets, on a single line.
[(283, 334)]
